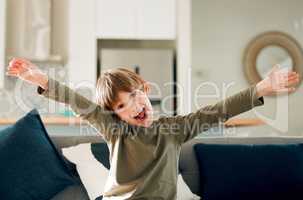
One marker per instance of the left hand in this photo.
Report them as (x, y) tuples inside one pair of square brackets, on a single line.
[(277, 81)]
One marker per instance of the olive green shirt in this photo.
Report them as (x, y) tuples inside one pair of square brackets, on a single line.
[(144, 161)]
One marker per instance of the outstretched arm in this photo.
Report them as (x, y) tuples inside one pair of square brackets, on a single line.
[(188, 126), (278, 81), (100, 118)]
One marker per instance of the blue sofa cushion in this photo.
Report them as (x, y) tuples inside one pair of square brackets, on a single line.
[(240, 172), (31, 168), (101, 153)]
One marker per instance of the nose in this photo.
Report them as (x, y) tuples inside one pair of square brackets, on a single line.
[(137, 106)]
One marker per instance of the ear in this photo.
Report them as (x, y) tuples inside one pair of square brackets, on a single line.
[(146, 88)]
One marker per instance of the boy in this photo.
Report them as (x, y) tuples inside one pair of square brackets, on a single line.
[(144, 152)]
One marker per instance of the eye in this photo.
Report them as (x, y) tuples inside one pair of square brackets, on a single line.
[(120, 106), (134, 93), (141, 88)]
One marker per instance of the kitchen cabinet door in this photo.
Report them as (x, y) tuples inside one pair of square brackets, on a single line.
[(136, 19), (116, 19), (156, 19)]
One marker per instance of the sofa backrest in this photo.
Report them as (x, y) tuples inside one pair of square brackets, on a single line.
[(68, 141), (188, 164)]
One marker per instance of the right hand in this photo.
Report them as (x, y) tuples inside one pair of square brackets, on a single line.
[(27, 71), (278, 81)]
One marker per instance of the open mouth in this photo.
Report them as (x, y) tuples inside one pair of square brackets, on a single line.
[(141, 116)]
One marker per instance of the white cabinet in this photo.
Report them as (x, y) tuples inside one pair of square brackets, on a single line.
[(156, 19), (115, 18), (2, 40), (135, 19)]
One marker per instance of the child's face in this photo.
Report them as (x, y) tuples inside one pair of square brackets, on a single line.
[(134, 108)]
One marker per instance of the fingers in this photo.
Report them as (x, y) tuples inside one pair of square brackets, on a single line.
[(287, 83), (290, 74), (16, 67), (19, 63), (12, 73), (292, 82), (286, 90), (274, 69), (292, 79), (281, 70), (284, 77), (14, 64)]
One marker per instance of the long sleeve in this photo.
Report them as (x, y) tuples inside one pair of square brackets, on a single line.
[(101, 119), (188, 126)]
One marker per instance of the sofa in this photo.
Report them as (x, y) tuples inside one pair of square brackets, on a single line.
[(188, 165), (36, 166)]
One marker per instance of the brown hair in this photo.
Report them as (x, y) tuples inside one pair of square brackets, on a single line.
[(112, 81)]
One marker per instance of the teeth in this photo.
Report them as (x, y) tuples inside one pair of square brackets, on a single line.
[(140, 115)]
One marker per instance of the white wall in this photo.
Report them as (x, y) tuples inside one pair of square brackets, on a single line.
[(221, 31), (82, 43), (2, 40)]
